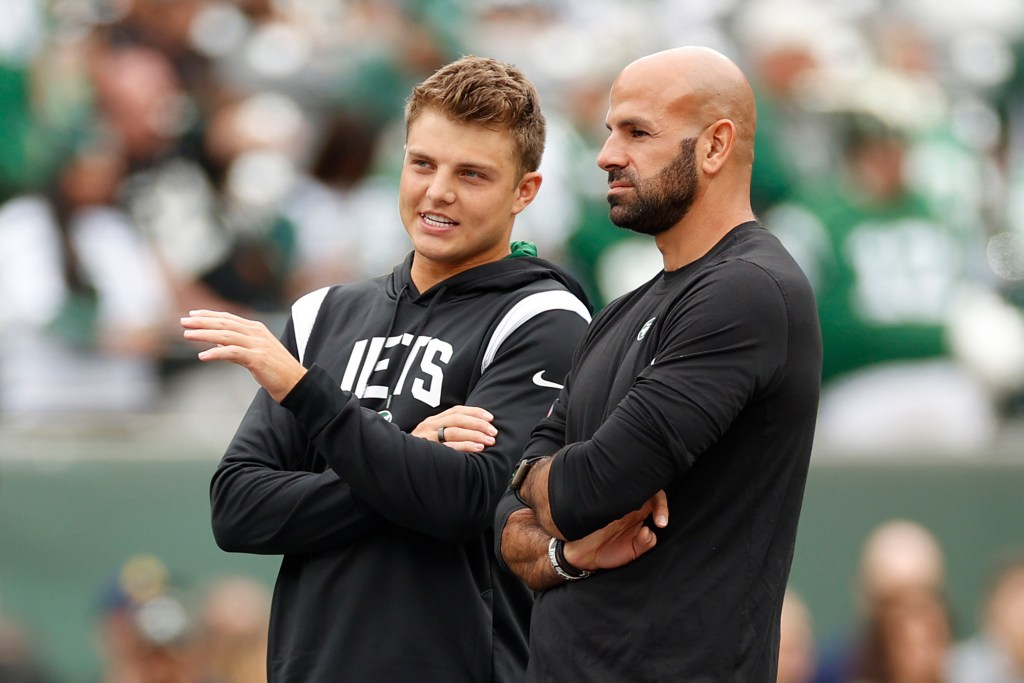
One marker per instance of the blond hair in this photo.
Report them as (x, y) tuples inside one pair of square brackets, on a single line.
[(486, 92)]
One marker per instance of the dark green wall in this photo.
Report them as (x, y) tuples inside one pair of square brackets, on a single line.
[(65, 527), (976, 509)]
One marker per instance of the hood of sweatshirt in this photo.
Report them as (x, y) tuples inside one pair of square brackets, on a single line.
[(504, 275)]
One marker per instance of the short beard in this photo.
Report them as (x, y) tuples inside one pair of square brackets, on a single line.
[(660, 202)]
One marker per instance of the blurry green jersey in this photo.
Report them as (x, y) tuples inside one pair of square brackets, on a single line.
[(885, 275)]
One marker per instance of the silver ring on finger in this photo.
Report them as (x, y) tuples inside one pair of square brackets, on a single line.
[(440, 434)]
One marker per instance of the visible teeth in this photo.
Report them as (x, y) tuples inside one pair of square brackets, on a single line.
[(436, 220)]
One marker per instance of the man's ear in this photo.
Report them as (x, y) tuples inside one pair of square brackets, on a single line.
[(527, 190), (721, 137)]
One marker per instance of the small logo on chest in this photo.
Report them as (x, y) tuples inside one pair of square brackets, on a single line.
[(643, 330)]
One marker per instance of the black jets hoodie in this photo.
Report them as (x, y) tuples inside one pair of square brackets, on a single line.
[(388, 571)]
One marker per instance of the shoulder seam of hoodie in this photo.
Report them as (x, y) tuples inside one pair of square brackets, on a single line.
[(526, 309)]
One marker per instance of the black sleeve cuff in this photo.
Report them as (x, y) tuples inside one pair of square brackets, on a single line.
[(315, 400)]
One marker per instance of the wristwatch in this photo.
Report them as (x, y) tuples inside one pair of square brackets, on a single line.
[(556, 555), (519, 475)]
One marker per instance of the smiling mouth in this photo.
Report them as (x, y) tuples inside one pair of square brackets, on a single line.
[(437, 221)]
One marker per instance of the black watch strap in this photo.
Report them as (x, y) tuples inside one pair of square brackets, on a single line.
[(519, 474)]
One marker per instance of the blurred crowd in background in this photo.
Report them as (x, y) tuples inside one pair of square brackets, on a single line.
[(904, 630), (150, 627), (159, 156)]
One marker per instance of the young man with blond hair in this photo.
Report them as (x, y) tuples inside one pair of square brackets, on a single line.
[(358, 460)]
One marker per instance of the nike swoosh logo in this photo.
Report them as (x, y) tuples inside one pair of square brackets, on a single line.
[(539, 380)]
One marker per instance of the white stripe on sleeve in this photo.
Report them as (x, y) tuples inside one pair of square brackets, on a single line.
[(304, 315), (533, 305)]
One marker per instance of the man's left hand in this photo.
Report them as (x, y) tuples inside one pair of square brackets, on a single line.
[(622, 541)]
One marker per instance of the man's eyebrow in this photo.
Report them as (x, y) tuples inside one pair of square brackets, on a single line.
[(477, 166), (415, 152), (474, 165), (630, 122)]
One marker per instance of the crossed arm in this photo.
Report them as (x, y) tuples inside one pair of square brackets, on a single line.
[(468, 429), (270, 494), (524, 521), (524, 541)]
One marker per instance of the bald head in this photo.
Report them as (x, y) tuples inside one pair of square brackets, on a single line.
[(679, 153), (900, 554), (700, 84)]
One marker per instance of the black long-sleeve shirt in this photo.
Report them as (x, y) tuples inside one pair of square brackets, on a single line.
[(704, 382)]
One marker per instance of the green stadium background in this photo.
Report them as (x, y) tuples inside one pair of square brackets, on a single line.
[(73, 508)]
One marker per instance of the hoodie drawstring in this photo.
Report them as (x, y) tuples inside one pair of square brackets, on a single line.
[(386, 412)]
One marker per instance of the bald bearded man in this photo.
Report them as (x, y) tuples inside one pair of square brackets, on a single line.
[(699, 388)]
